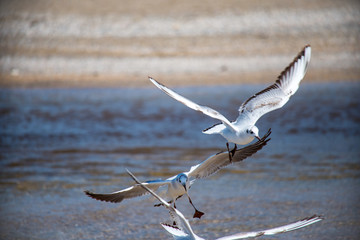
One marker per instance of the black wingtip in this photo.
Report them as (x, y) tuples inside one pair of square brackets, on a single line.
[(302, 52), (104, 197), (91, 194), (312, 217), (299, 56), (87, 192), (264, 138)]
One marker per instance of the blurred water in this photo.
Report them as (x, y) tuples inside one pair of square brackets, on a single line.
[(55, 143)]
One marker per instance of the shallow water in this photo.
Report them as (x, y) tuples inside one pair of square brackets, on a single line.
[(55, 143)]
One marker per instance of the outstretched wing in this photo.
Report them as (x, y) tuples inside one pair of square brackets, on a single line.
[(276, 95), (176, 232), (204, 109), (130, 192), (286, 228), (221, 160)]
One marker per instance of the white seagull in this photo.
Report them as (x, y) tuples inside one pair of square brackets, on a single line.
[(243, 130), (179, 185), (183, 231)]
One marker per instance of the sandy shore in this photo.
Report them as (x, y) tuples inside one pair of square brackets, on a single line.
[(120, 43)]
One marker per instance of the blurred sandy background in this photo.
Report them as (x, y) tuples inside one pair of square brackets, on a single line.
[(50, 43)]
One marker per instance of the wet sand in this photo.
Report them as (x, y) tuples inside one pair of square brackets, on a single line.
[(112, 43), (56, 143)]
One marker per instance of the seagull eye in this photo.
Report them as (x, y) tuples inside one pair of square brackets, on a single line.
[(251, 132)]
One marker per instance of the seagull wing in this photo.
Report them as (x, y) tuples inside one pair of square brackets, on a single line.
[(182, 223), (221, 160), (176, 232), (204, 109), (130, 192), (276, 95), (286, 228)]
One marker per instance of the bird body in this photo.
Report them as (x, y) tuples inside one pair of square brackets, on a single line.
[(177, 187), (238, 136)]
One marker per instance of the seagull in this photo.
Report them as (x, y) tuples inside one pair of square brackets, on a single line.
[(243, 130), (182, 229), (179, 185)]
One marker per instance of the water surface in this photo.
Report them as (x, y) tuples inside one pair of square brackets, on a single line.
[(55, 143)]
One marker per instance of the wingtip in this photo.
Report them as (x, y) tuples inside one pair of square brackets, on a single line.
[(306, 51), (268, 132), (266, 136), (88, 193), (151, 79), (94, 196), (156, 83), (313, 217)]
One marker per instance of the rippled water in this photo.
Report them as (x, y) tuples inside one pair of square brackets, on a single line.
[(55, 143)]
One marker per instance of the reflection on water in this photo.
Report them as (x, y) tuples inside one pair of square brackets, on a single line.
[(55, 143)]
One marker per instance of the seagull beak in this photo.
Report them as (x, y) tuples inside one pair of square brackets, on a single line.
[(258, 138)]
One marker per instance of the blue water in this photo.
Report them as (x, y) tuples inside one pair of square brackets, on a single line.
[(55, 143)]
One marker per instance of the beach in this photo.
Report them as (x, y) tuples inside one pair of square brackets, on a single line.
[(112, 43)]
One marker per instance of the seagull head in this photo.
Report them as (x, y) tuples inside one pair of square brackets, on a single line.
[(183, 179), (253, 131)]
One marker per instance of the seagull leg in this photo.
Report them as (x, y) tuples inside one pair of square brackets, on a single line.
[(227, 146), (174, 223), (197, 214), (233, 150)]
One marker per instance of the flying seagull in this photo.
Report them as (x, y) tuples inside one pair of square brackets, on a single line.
[(179, 185), (243, 130), (182, 229)]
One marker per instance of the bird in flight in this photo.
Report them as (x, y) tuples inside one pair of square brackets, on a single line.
[(182, 228), (243, 130), (179, 185)]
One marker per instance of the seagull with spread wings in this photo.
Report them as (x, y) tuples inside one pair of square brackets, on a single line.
[(243, 130), (182, 229), (179, 185)]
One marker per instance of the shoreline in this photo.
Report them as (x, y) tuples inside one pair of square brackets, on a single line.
[(83, 44), (123, 80)]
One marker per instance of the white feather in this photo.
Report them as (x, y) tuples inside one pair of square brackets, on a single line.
[(271, 98)]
